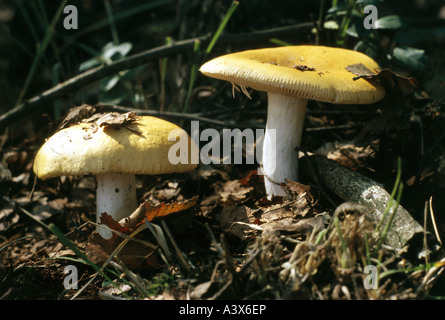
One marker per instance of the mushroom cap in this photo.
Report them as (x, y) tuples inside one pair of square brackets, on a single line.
[(310, 72), (140, 147)]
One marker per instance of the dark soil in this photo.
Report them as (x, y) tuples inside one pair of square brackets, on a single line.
[(224, 256)]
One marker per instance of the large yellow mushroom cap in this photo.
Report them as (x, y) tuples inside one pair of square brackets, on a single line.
[(310, 72), (140, 147)]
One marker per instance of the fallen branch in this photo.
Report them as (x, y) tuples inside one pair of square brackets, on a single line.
[(354, 187), (169, 114), (43, 101)]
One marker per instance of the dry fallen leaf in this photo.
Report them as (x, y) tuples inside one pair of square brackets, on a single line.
[(208, 204), (386, 77), (233, 191), (230, 218), (75, 115), (8, 217), (152, 212), (296, 189), (112, 119), (302, 226), (346, 153), (162, 210), (108, 220), (290, 208), (134, 254)]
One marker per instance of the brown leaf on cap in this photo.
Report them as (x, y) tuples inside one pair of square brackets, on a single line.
[(112, 119), (75, 115), (386, 77)]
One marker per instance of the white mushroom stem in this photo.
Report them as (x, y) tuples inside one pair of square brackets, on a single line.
[(284, 128), (115, 195)]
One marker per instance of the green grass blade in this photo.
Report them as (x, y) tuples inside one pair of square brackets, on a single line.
[(28, 21), (40, 12), (194, 67), (391, 218), (111, 22), (279, 42), (221, 27), (193, 75), (393, 193), (396, 192), (344, 259), (123, 14), (68, 243), (20, 44), (163, 71), (41, 50)]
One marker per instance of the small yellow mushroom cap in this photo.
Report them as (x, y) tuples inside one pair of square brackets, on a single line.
[(310, 72), (85, 148)]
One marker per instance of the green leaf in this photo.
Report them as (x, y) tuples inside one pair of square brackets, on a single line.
[(368, 47), (392, 22), (414, 36), (410, 58), (338, 10), (90, 63), (115, 96), (369, 2), (112, 52), (331, 24), (109, 53), (357, 30), (108, 83), (130, 74)]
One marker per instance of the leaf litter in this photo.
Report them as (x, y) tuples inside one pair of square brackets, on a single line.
[(229, 241)]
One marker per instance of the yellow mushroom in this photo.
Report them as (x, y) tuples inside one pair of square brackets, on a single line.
[(114, 155), (291, 76)]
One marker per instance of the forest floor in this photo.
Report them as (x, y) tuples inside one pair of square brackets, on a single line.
[(211, 232), (224, 238)]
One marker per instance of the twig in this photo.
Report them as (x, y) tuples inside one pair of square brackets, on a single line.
[(176, 247), (315, 175), (433, 219), (43, 101), (354, 187), (168, 114)]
